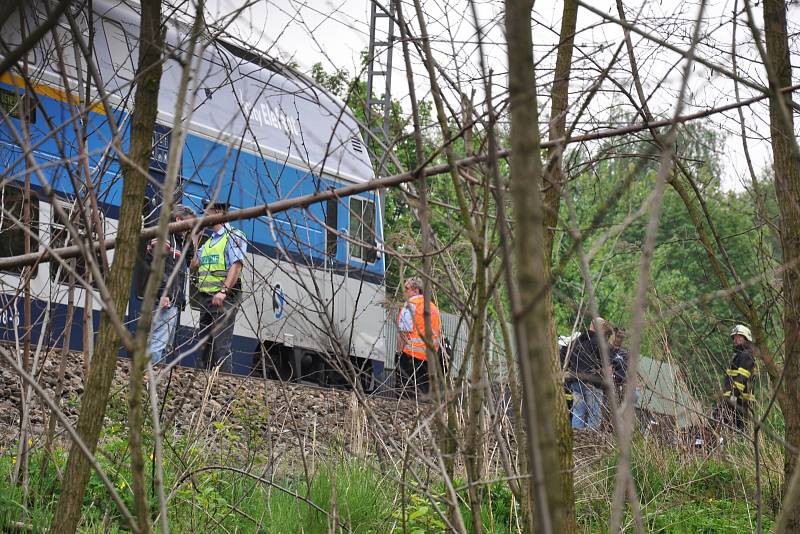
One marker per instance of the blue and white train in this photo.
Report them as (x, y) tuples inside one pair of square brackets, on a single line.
[(313, 283)]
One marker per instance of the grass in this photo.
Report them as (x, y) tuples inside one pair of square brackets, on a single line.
[(352, 494), (681, 492)]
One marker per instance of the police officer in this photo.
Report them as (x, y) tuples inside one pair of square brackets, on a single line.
[(219, 262)]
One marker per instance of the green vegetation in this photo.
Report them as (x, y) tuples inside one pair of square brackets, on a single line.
[(687, 322), (680, 491), (357, 496), (683, 491)]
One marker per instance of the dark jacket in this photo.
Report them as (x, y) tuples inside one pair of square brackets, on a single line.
[(619, 364), (584, 355), (173, 257), (739, 374)]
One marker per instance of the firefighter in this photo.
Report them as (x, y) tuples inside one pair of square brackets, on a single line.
[(412, 356), (738, 396)]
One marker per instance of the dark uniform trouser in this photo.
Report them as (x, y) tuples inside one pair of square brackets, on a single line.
[(413, 374), (732, 416), (216, 324)]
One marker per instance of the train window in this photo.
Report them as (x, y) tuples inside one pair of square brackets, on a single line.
[(70, 57), (120, 48), (60, 237), (12, 37), (12, 236), (331, 222), (362, 229)]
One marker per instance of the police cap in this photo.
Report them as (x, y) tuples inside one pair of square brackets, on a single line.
[(214, 205)]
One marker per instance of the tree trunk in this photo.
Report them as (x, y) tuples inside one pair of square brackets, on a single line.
[(101, 372), (535, 349), (787, 188), (552, 201)]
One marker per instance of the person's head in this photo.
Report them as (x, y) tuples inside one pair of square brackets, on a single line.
[(181, 212), (601, 326), (412, 286), (741, 336), (619, 337), (214, 208)]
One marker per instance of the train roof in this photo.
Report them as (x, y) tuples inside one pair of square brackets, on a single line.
[(249, 100)]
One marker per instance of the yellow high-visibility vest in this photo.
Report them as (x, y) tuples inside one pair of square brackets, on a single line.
[(213, 271)]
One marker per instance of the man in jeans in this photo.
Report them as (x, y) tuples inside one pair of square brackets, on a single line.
[(172, 291), (585, 380), (219, 263)]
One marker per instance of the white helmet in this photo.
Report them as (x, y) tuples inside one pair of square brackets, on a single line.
[(742, 330)]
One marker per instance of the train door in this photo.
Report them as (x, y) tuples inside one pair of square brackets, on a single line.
[(150, 213), (332, 269), (151, 210), (364, 291), (360, 253), (342, 293)]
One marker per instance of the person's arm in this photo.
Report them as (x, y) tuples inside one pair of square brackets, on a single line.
[(164, 300), (230, 280), (745, 365), (233, 275), (402, 338), (405, 324), (194, 264), (191, 254), (236, 250)]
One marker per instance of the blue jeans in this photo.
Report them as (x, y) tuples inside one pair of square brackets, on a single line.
[(587, 404), (162, 332)]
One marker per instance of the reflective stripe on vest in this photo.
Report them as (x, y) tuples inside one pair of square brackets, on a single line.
[(415, 342), (213, 271), (743, 396), (741, 371)]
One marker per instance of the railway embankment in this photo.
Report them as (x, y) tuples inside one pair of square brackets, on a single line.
[(228, 415), (238, 419)]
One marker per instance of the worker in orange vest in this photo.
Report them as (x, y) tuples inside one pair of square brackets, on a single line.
[(412, 355)]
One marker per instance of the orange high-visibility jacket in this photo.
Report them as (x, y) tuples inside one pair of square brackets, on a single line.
[(415, 342)]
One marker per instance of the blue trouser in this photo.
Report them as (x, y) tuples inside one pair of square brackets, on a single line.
[(162, 332), (587, 404)]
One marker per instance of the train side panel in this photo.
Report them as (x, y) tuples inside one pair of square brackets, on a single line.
[(256, 136)]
